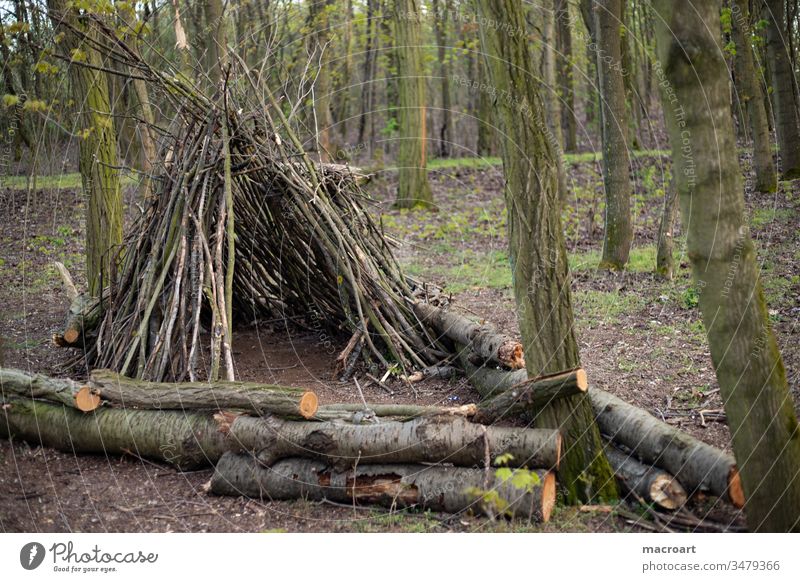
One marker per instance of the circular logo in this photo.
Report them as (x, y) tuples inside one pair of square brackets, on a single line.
[(31, 555)]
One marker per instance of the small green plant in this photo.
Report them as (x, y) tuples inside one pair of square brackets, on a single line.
[(521, 479)]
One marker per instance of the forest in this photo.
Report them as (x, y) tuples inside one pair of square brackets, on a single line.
[(399, 266)]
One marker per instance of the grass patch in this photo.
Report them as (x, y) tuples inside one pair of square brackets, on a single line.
[(579, 158), (601, 307), (763, 216), (60, 182), (480, 271)]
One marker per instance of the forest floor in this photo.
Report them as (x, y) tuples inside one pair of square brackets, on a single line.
[(640, 338)]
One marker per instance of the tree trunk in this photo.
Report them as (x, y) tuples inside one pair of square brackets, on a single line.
[(787, 124), (616, 161), (698, 466), (98, 152), (566, 75), (748, 364), (649, 483), (552, 104), (449, 489), (537, 250), (749, 91), (485, 119), (445, 138), (183, 439), (437, 439), (319, 48), (357, 414), (413, 188), (665, 264), (367, 80)]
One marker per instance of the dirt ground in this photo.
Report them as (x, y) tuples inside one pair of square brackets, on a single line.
[(641, 338)]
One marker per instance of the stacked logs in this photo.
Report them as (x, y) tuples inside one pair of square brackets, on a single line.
[(279, 443)]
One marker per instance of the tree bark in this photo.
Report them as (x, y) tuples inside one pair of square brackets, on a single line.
[(446, 129), (98, 160), (319, 38), (665, 263), (698, 466), (438, 439), (183, 439), (749, 91), (449, 489), (413, 187), (748, 364), (537, 250), (357, 414), (784, 103), (649, 483), (616, 161), (566, 75)]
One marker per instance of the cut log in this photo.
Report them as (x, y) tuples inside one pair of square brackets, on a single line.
[(121, 392), (183, 439), (448, 489), (357, 414), (83, 317), (649, 483), (488, 381), (63, 391), (482, 340), (437, 439), (698, 466), (531, 395), (249, 396)]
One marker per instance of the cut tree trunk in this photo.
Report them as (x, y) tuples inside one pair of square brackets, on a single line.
[(122, 392), (532, 395), (482, 340), (439, 439), (649, 483), (698, 466), (449, 489), (83, 317), (183, 439)]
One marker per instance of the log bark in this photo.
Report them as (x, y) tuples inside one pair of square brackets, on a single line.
[(249, 396), (449, 489), (83, 317), (67, 392), (438, 439), (649, 483), (698, 466), (532, 395), (357, 414), (118, 391), (183, 439), (483, 340)]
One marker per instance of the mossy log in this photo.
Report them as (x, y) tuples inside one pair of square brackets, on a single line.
[(109, 388), (183, 439), (83, 317), (698, 466), (651, 484), (437, 488), (62, 391), (437, 439), (531, 395), (481, 340)]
